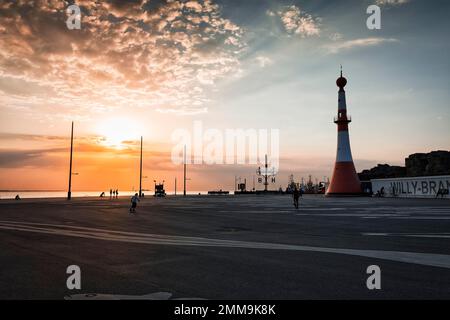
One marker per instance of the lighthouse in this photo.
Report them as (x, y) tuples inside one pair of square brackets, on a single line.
[(344, 181)]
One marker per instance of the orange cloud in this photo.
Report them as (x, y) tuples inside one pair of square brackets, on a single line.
[(135, 54)]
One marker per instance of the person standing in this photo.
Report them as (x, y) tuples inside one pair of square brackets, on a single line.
[(134, 201), (110, 193), (296, 195)]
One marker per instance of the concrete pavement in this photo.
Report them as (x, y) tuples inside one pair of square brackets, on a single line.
[(226, 247)]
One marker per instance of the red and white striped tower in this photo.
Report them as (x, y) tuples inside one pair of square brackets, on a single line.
[(344, 181)]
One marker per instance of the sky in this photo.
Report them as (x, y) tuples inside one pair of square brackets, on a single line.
[(152, 67)]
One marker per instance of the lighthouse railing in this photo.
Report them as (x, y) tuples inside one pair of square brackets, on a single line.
[(347, 118)]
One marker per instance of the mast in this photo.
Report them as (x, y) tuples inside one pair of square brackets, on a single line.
[(140, 173), (184, 169), (69, 192)]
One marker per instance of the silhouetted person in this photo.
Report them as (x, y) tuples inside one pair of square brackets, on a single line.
[(442, 192), (102, 194), (17, 197), (110, 193), (134, 201), (296, 195), (117, 193)]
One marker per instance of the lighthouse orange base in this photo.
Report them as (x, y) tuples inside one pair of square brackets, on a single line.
[(345, 181)]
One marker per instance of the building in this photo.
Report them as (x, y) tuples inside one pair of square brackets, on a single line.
[(425, 175), (382, 171), (428, 164)]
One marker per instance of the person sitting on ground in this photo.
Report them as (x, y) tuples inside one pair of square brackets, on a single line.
[(134, 201), (102, 194), (17, 197)]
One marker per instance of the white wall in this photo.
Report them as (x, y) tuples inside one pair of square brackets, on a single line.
[(415, 187)]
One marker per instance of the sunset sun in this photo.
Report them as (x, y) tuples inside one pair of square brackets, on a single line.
[(117, 132)]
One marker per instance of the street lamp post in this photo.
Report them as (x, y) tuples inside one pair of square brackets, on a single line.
[(69, 192), (184, 180), (140, 173)]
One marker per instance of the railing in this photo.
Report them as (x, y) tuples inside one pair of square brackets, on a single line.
[(347, 119)]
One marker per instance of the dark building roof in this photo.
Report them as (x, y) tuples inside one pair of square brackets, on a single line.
[(382, 171), (428, 164), (434, 163)]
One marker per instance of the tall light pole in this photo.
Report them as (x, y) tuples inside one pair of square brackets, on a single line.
[(140, 173), (184, 188), (69, 192)]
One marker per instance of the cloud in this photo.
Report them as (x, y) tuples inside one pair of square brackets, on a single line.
[(15, 86), (263, 61), (28, 158), (148, 54), (298, 22), (4, 136), (335, 36), (39, 151), (338, 46), (391, 2)]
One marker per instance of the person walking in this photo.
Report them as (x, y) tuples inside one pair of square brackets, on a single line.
[(110, 193), (134, 201), (117, 193), (296, 195)]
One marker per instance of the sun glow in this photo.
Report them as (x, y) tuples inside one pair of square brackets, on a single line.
[(118, 133)]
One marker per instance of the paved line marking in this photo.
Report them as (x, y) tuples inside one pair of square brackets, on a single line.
[(421, 218), (428, 259), (415, 235)]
